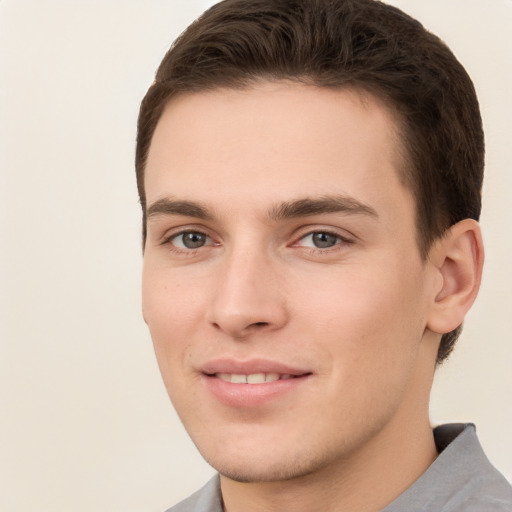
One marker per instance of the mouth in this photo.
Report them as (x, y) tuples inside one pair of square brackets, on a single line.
[(252, 378), (254, 371), (249, 384)]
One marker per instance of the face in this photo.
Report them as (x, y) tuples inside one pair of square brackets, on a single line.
[(282, 283)]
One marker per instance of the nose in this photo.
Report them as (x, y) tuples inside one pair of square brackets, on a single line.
[(248, 298)]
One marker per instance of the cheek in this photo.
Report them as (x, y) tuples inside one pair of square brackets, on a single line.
[(366, 318), (371, 334), (167, 297), (172, 310)]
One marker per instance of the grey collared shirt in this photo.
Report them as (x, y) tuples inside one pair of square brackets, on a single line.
[(461, 479)]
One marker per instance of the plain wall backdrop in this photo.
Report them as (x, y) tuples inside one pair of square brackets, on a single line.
[(85, 423)]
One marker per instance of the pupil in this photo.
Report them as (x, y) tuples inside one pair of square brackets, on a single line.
[(324, 240), (193, 240)]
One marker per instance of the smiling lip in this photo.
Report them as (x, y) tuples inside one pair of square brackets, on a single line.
[(250, 383)]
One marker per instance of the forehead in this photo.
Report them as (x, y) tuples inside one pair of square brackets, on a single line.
[(273, 141)]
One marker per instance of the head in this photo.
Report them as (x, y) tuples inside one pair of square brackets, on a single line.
[(362, 45), (309, 173)]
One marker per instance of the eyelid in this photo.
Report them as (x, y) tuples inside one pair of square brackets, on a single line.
[(173, 233), (182, 246), (344, 236), (170, 232)]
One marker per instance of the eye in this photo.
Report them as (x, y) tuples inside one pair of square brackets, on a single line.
[(190, 240), (321, 240)]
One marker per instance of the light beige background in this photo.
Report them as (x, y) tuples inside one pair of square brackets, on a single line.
[(85, 424)]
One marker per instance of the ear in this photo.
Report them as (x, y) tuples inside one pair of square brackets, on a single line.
[(458, 259)]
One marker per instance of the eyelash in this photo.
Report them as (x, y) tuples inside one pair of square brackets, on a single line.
[(340, 242), (169, 241)]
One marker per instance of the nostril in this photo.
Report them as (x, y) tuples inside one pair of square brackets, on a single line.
[(239, 328)]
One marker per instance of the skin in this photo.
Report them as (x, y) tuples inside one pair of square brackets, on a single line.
[(362, 314)]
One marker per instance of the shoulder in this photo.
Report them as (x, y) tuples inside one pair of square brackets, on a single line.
[(461, 479), (480, 487), (486, 491), (207, 499)]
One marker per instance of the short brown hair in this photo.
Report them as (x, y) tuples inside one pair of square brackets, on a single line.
[(362, 44)]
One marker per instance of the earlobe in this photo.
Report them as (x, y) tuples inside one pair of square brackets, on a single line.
[(458, 258)]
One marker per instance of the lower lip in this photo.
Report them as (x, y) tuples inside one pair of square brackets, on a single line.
[(251, 395)]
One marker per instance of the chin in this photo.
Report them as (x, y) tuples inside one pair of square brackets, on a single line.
[(266, 467), (245, 473)]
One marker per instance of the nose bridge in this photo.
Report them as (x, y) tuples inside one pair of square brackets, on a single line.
[(247, 296)]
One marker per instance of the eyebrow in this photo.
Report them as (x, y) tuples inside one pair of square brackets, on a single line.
[(287, 210), (326, 204), (173, 207)]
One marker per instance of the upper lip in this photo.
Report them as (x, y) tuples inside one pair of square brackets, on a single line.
[(250, 367)]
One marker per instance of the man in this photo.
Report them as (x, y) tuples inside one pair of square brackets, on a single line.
[(310, 175)]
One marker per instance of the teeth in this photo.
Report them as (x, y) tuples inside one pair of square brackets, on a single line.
[(238, 379), (253, 378)]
